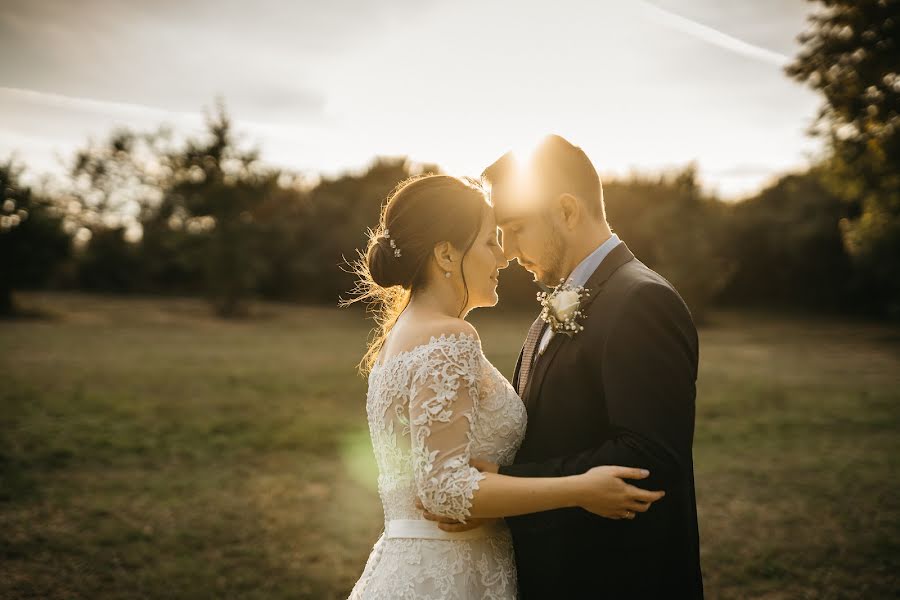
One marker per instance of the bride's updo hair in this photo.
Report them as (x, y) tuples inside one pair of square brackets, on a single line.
[(420, 213)]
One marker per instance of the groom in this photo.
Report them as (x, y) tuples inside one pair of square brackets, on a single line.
[(619, 392)]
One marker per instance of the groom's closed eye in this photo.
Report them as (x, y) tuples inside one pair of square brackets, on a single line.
[(510, 230)]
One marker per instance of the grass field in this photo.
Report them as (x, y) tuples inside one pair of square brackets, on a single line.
[(148, 450)]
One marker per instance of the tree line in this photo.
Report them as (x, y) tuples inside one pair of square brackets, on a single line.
[(207, 218), (144, 213)]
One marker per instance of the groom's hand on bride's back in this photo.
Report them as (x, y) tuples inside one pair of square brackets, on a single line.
[(451, 525), (484, 466)]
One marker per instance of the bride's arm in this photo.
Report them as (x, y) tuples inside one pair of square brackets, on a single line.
[(602, 491), (443, 407)]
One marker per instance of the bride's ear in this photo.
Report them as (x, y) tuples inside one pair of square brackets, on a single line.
[(445, 256)]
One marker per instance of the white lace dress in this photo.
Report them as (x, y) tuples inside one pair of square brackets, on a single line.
[(430, 409)]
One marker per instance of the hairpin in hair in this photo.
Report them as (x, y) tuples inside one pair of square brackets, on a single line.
[(387, 236)]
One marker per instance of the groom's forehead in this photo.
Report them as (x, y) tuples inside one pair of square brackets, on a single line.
[(506, 217), (511, 205), (503, 207)]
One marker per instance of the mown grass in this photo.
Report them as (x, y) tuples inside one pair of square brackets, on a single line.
[(148, 450)]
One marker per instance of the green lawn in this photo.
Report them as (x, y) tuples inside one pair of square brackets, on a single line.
[(148, 450)]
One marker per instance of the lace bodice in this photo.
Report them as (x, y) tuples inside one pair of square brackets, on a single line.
[(432, 408)]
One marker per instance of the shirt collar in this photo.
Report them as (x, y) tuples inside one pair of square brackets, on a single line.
[(586, 267)]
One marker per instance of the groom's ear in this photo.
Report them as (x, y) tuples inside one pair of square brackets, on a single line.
[(569, 210)]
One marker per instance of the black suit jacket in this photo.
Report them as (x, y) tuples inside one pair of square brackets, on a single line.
[(620, 392)]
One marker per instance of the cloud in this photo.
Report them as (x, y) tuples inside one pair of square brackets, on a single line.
[(327, 86)]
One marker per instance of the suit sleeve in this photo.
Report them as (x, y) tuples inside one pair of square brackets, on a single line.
[(649, 371)]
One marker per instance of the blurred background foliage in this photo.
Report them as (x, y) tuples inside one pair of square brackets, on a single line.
[(142, 213)]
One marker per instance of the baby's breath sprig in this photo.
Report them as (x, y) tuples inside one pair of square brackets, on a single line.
[(561, 308)]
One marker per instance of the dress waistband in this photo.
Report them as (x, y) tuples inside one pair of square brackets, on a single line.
[(429, 530)]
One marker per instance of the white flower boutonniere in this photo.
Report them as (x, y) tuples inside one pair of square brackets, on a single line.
[(562, 308)]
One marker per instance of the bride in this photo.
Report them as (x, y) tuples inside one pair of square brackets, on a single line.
[(435, 404)]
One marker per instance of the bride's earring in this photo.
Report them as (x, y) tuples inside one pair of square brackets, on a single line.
[(447, 274)]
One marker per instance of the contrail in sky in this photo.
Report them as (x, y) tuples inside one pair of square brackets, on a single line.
[(129, 109), (90, 104), (712, 36)]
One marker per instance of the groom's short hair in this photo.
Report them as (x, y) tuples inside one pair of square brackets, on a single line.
[(559, 167)]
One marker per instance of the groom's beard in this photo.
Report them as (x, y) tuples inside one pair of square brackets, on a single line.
[(553, 259)]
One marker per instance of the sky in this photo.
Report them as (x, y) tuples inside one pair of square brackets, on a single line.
[(324, 87)]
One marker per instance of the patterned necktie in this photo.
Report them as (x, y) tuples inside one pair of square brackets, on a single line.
[(531, 342)]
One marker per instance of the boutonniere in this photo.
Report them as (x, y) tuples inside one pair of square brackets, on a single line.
[(562, 308)]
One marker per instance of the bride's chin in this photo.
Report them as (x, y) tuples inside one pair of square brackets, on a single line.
[(489, 300)]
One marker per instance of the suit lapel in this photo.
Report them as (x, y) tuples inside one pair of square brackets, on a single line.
[(615, 259)]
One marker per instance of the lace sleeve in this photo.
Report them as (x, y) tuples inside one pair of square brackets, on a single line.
[(442, 409)]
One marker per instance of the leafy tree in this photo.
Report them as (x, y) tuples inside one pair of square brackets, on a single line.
[(119, 181), (215, 193), (32, 240), (851, 55), (286, 236), (675, 229), (117, 187), (787, 246), (109, 261)]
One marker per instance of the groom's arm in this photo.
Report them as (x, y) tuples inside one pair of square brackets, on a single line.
[(649, 369)]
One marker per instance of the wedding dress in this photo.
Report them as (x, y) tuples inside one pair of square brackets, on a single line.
[(430, 409)]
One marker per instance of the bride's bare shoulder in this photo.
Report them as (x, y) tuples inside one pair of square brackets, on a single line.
[(448, 326), (409, 335)]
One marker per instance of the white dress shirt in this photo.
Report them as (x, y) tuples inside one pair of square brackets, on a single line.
[(580, 276)]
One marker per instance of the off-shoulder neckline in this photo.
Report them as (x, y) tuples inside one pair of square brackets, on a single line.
[(444, 337)]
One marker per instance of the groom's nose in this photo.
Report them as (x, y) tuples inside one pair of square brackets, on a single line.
[(509, 248), (511, 253)]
